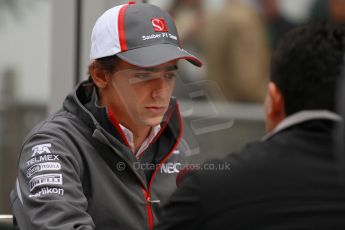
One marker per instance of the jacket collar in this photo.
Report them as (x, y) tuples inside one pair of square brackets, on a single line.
[(303, 116)]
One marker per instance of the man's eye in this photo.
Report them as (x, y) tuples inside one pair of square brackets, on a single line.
[(142, 76), (170, 75)]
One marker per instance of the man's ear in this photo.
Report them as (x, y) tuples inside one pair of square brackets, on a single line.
[(274, 106), (99, 76)]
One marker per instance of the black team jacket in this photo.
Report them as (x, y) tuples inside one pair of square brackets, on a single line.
[(76, 171)]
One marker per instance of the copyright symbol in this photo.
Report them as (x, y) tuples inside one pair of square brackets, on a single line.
[(120, 166)]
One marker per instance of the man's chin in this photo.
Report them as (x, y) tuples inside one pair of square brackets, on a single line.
[(153, 121)]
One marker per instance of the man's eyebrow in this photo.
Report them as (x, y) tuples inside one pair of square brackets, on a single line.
[(155, 69)]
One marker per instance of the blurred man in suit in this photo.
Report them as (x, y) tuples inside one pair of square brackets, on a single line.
[(290, 179)]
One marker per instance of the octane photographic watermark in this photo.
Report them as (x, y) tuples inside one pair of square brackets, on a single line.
[(175, 167), (120, 166)]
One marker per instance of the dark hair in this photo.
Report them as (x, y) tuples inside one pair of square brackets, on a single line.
[(307, 64), (107, 64)]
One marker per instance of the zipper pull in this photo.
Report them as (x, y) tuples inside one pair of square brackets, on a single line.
[(150, 201)]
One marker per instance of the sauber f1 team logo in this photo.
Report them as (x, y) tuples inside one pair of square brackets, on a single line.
[(159, 25)]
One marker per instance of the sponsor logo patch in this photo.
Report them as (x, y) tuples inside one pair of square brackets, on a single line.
[(159, 25), (47, 191), (49, 157), (46, 179), (39, 149), (171, 168), (47, 166)]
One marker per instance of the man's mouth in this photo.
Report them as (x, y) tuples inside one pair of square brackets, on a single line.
[(156, 109)]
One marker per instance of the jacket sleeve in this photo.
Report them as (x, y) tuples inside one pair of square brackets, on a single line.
[(183, 210), (48, 193)]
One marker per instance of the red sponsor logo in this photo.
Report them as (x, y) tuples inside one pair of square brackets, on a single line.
[(159, 25)]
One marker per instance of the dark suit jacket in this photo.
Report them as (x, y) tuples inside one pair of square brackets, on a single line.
[(290, 181)]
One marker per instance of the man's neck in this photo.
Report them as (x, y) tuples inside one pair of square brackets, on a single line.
[(140, 141), (139, 135)]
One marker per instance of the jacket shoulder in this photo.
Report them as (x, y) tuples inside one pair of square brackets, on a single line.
[(55, 124)]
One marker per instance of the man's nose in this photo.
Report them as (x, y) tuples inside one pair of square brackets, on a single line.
[(161, 88)]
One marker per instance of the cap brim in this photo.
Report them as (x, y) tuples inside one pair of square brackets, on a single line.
[(156, 55)]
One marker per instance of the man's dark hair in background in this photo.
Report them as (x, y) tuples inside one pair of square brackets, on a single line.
[(290, 179), (305, 68), (306, 64)]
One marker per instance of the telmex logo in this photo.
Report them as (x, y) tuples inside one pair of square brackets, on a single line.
[(38, 159), (51, 179), (48, 166)]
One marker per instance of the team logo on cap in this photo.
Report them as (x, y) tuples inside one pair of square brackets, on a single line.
[(159, 25)]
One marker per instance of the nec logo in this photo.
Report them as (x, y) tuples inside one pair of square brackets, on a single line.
[(159, 25), (171, 168)]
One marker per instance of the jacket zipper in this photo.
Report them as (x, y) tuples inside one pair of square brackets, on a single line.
[(150, 220), (99, 136), (147, 195), (148, 209), (147, 192)]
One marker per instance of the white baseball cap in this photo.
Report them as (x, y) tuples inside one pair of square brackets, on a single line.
[(140, 34)]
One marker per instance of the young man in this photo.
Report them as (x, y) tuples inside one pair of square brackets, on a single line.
[(107, 159), (291, 179)]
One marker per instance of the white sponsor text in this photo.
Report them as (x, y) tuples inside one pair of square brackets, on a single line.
[(51, 179), (47, 191), (47, 166)]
